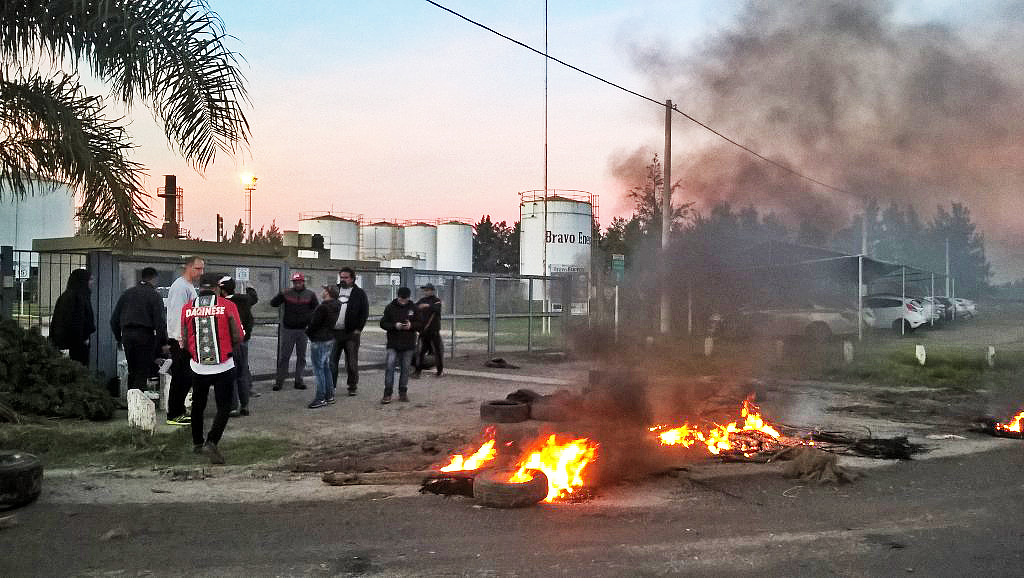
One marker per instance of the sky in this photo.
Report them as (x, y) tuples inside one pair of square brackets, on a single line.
[(396, 109)]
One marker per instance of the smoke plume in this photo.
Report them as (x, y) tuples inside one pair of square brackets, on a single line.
[(848, 93)]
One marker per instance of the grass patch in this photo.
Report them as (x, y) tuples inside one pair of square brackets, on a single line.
[(63, 445), (950, 368)]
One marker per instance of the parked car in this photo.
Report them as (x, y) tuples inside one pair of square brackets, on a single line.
[(965, 307), (902, 314), (815, 322), (930, 309), (947, 304)]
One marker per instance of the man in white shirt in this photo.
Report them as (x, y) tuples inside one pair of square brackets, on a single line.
[(182, 291)]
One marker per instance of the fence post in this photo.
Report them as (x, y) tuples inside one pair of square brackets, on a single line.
[(451, 349), (529, 317), (408, 278), (105, 269), (492, 313), (6, 281)]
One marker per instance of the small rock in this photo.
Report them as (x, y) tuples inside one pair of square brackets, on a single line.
[(159, 491), (9, 521)]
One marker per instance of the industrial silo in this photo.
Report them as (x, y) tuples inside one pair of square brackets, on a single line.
[(380, 241), (455, 247), (341, 235), (555, 237), (420, 241), (48, 213)]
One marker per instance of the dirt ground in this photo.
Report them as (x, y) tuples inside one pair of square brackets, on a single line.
[(358, 434)]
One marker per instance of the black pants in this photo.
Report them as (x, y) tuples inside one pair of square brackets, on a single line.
[(139, 346), (181, 380), (349, 343), (79, 352), (430, 341), (223, 387)]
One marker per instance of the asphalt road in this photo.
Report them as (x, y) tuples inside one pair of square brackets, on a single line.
[(943, 517)]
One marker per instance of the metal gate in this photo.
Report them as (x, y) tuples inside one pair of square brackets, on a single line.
[(32, 282)]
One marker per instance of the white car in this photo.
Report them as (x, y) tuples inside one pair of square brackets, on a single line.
[(902, 314), (965, 307), (815, 322)]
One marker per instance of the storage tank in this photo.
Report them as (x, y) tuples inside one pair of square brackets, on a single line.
[(420, 240), (455, 247), (48, 213), (405, 262), (341, 236), (567, 236), (380, 241)]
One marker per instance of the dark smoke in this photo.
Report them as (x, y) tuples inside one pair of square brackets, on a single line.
[(919, 114)]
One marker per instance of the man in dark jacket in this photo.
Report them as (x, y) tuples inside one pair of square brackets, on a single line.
[(299, 304), (428, 309), (140, 326), (355, 308), (243, 376), (73, 321), (400, 321), (321, 335)]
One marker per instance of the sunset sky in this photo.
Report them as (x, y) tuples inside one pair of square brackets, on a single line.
[(397, 109)]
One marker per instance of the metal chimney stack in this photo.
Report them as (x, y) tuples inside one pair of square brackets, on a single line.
[(171, 225)]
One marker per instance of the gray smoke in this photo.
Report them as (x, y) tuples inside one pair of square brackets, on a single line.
[(920, 114)]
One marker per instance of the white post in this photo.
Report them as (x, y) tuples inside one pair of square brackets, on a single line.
[(903, 299), (860, 298)]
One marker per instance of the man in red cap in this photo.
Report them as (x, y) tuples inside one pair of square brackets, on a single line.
[(299, 304)]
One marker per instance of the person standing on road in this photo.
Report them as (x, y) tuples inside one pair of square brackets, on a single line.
[(428, 309), (73, 321), (299, 304), (211, 329), (182, 292), (400, 321), (140, 327), (321, 336), (355, 308), (243, 375)]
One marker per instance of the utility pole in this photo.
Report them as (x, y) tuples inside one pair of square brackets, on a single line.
[(666, 218), (947, 266)]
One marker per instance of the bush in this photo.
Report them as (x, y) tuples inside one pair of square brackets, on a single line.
[(36, 379)]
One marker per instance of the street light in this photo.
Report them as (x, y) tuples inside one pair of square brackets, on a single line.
[(249, 185)]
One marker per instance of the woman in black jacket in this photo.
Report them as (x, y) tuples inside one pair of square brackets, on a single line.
[(73, 322)]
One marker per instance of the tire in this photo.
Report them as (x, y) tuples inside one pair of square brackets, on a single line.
[(906, 329), (21, 478), (818, 332), (491, 488), (504, 411)]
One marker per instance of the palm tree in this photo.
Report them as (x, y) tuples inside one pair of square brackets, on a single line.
[(167, 54)]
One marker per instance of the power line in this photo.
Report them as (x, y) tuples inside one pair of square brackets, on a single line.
[(647, 98)]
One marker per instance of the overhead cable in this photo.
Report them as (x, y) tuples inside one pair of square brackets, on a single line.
[(657, 102)]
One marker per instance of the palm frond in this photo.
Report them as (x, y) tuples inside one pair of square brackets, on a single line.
[(49, 129), (169, 54)]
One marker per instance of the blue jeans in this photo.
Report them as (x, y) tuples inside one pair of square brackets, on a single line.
[(404, 360), (320, 355)]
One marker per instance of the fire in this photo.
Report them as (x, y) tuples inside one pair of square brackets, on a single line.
[(563, 465), (719, 438), (485, 454), (1013, 426)]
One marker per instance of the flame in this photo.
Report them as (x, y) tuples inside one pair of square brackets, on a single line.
[(563, 465), (720, 437), (1013, 426), (483, 455)]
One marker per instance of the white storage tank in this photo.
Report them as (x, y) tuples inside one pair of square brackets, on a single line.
[(455, 247), (567, 236), (341, 235), (420, 240), (380, 241), (46, 214)]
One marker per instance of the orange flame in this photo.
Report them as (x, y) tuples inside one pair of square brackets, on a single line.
[(563, 465), (720, 438), (485, 454), (1013, 426)]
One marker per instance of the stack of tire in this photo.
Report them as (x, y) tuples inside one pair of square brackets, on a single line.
[(21, 478)]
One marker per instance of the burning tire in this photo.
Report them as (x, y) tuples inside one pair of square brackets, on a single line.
[(504, 411), (492, 488), (551, 410), (21, 478)]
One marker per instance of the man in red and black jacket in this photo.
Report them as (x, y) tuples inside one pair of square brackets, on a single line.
[(299, 304), (211, 328)]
